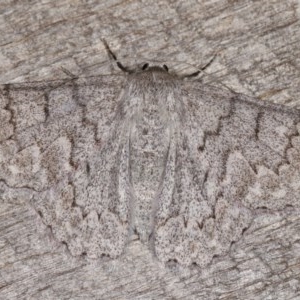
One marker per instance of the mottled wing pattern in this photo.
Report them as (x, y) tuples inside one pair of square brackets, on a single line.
[(66, 142), (183, 164), (231, 155)]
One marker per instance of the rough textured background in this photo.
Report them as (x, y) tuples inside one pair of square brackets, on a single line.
[(257, 43)]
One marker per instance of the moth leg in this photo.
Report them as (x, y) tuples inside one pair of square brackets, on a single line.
[(114, 57)]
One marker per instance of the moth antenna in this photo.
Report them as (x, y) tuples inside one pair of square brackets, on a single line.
[(209, 63), (195, 74), (202, 69), (114, 57)]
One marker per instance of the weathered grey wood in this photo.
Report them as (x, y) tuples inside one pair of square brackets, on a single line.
[(258, 54)]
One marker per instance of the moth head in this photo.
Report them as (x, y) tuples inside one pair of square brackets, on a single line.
[(163, 68)]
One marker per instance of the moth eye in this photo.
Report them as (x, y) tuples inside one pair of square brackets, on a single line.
[(145, 66), (166, 68)]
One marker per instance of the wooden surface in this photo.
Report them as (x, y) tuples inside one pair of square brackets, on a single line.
[(258, 53)]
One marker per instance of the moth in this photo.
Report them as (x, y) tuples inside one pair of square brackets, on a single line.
[(183, 165)]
